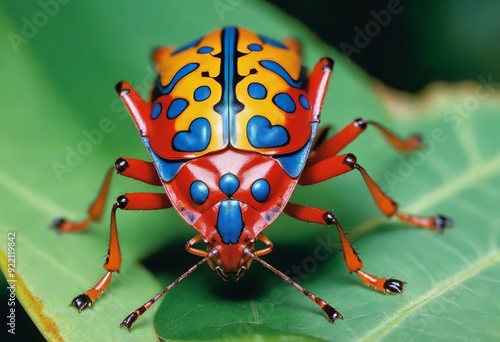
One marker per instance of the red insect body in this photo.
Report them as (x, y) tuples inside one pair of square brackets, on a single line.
[(231, 128)]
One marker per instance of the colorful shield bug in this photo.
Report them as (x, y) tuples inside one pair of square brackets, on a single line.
[(232, 128)]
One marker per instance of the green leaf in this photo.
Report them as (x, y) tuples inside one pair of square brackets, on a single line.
[(63, 127)]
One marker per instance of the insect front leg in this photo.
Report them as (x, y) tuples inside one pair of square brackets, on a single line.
[(351, 258), (196, 251), (269, 246), (131, 201), (129, 167)]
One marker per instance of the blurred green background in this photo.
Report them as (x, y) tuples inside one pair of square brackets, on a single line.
[(424, 41)]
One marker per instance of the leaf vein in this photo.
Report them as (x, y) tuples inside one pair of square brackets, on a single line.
[(399, 316)]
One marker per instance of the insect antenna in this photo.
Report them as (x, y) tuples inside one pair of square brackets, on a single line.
[(130, 319), (329, 310)]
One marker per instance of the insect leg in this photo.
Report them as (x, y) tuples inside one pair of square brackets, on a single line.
[(338, 165), (351, 258), (196, 251), (131, 201), (269, 246), (128, 167), (318, 82), (137, 107), (348, 134)]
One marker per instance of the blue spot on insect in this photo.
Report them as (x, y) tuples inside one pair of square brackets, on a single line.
[(156, 111), (199, 192), (284, 102), (261, 134), (176, 108), (205, 49), (229, 221), (195, 139), (255, 47), (229, 183), (304, 102), (202, 93), (273, 42), (257, 91), (191, 217), (182, 72), (260, 189), (280, 71)]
